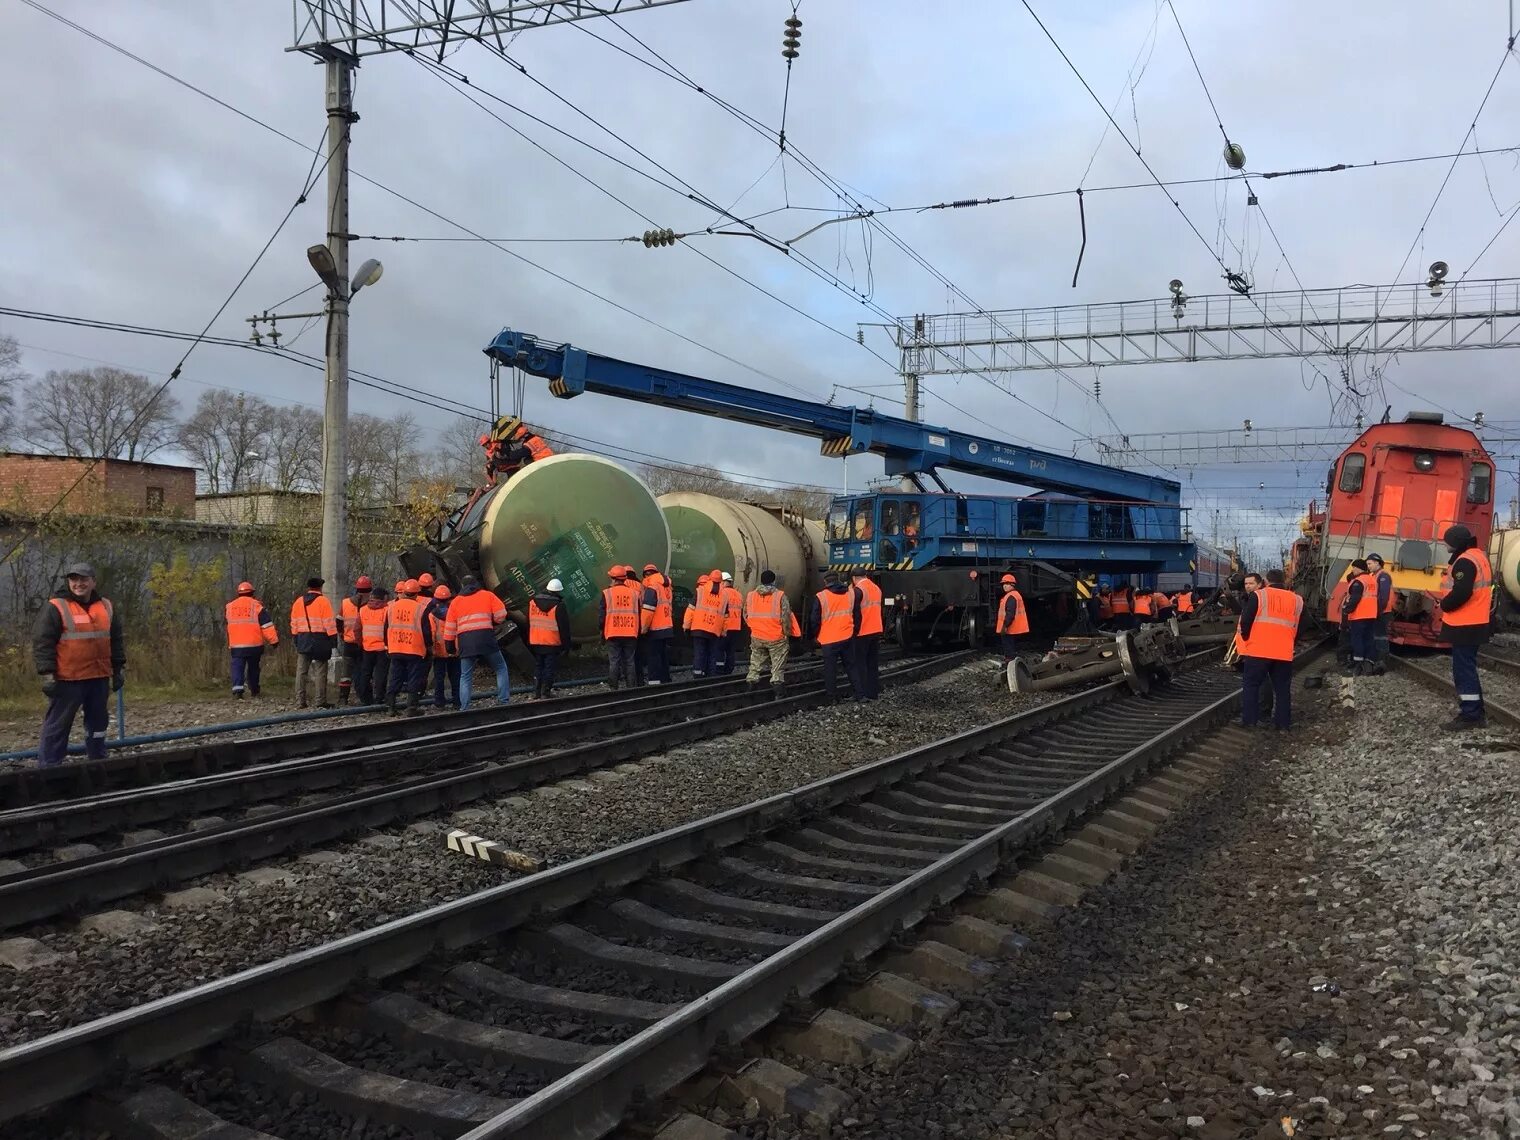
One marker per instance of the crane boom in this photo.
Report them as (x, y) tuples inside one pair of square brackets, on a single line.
[(907, 446)]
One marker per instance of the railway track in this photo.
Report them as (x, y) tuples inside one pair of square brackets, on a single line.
[(1499, 660), (27, 786), (552, 1005), (286, 806), (1435, 675)]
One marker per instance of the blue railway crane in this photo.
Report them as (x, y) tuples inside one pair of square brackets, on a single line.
[(937, 552)]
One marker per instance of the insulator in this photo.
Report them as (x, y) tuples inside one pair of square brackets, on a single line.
[(791, 42), (794, 25), (792, 38), (655, 238), (789, 53), (860, 338), (1234, 156)]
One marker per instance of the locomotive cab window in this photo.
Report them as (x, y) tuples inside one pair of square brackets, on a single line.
[(1480, 483), (1353, 469)]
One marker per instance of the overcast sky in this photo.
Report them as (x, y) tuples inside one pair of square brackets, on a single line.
[(126, 197)]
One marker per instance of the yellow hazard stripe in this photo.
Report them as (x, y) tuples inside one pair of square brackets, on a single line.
[(1084, 591), (835, 447)]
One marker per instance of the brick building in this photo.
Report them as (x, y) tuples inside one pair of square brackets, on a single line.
[(31, 484)]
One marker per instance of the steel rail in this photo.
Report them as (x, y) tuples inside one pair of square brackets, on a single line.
[(1494, 659), (23, 829), (22, 786), (36, 894), (66, 1064), (1440, 682)]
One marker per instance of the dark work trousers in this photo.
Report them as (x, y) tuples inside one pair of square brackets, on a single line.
[(1380, 637), (868, 666), (245, 672), (351, 657), (1009, 644), (1280, 673), (1362, 634), (67, 699), (842, 652), (621, 653), (408, 675), (374, 669), (728, 649), (1464, 675), (445, 669), (547, 662), (656, 653), (704, 654)]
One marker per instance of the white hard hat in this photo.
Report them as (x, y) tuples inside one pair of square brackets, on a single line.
[(555, 586), (727, 577)]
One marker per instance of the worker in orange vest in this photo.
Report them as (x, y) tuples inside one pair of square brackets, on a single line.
[(475, 617), (1012, 618), (249, 629), (1466, 621), (548, 635), (1184, 601), (706, 614), (315, 632), (1359, 613), (445, 652), (1162, 602), (1268, 628), (374, 660), (659, 622), (348, 627), (79, 652), (619, 618), (733, 625), (1144, 606), (408, 640), (1122, 601), (868, 640), (426, 583), (1106, 606), (834, 619), (1387, 599), (768, 614)]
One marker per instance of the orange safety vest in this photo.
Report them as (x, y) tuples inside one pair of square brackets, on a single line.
[(1020, 621), (543, 626), (372, 628), (243, 629), (1121, 602), (762, 613), (706, 611), (537, 448), (1161, 601), (1367, 608), (664, 609), (1185, 602), (1275, 627), (435, 631), (84, 646), (870, 606), (622, 617), (403, 631), (733, 609), (314, 618), (836, 616), (1144, 605), (471, 613), (350, 611), (1105, 606), (1476, 611)]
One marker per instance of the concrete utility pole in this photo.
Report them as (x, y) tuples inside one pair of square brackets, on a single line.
[(340, 117)]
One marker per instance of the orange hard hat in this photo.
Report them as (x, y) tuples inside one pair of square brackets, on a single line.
[(245, 587), (702, 579), (410, 586), (615, 572), (362, 582), (425, 580), (442, 593), (400, 585), (1009, 579)]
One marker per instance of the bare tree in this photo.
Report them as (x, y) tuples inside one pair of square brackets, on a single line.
[(293, 457), (100, 412), (384, 459), (228, 439), (458, 459), (12, 376)]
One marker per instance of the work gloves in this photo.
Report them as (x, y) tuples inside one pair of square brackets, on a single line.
[(49, 685), (118, 679)]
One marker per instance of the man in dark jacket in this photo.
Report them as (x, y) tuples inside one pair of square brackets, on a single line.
[(1385, 611), (1360, 630), (78, 649), (836, 629), (1466, 612)]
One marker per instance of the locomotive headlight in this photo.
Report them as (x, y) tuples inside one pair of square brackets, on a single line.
[(1424, 461)]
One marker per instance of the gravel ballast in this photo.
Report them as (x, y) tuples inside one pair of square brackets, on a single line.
[(379, 878), (1324, 945)]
